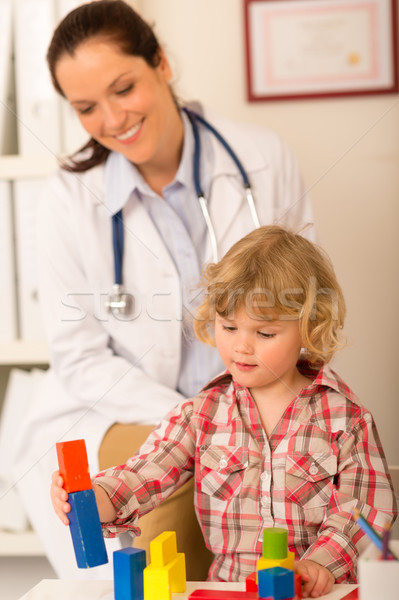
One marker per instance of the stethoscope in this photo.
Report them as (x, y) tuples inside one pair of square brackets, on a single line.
[(118, 301)]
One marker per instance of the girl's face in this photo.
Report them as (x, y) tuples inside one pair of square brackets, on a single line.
[(121, 101), (261, 355)]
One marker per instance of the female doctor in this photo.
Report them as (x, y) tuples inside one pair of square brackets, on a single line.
[(152, 197)]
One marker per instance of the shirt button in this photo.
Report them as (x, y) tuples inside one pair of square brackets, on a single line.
[(264, 502), (223, 462), (313, 469), (264, 476)]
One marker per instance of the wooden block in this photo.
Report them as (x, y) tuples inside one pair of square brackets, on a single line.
[(163, 549), (157, 584), (277, 583), (161, 582), (353, 595), (298, 586), (275, 543), (85, 527), (129, 564), (251, 584), (223, 595), (73, 465), (286, 563)]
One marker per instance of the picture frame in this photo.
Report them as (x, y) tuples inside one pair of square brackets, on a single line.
[(336, 48)]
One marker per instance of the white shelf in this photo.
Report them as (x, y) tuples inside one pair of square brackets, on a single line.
[(20, 544), (26, 167), (23, 353)]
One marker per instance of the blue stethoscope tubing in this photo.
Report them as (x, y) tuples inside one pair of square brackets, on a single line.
[(117, 218)]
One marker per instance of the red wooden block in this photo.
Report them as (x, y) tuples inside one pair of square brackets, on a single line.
[(298, 586), (353, 595), (250, 583), (73, 465), (223, 595)]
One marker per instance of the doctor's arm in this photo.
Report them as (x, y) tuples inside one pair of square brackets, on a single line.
[(119, 381)]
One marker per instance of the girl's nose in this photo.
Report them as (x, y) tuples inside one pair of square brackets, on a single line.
[(243, 345)]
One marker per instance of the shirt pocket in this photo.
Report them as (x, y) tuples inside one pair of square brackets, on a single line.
[(222, 470), (309, 478)]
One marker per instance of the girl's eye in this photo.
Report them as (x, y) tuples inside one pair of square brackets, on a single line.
[(266, 335), (229, 328)]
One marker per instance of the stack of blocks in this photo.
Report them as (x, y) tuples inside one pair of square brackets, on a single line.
[(166, 574), (84, 521), (274, 578)]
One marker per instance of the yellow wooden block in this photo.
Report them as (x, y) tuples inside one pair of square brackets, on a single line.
[(163, 549), (161, 582), (157, 585), (268, 563), (178, 573)]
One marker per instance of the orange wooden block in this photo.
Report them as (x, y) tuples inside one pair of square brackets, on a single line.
[(73, 465)]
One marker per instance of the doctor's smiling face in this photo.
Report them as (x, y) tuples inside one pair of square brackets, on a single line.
[(123, 102)]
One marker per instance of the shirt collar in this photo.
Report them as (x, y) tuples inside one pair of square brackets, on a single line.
[(322, 378), (122, 177)]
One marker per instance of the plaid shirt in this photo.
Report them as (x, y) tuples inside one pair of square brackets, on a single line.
[(323, 459)]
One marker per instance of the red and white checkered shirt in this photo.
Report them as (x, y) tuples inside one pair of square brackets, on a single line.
[(323, 459)]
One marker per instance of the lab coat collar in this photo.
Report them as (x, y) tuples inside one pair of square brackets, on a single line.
[(120, 181)]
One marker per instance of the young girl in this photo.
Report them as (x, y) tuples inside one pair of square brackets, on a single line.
[(278, 439)]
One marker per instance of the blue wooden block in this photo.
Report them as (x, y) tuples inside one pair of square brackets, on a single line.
[(276, 582), (129, 564), (85, 526)]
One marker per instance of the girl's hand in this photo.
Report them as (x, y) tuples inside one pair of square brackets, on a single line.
[(316, 579), (59, 497)]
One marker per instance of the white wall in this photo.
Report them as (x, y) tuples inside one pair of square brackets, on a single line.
[(348, 150)]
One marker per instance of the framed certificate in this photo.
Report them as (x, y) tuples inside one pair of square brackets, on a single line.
[(313, 48)]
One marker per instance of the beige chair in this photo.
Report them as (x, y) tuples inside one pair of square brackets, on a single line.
[(175, 514)]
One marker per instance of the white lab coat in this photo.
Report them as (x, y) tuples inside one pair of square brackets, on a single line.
[(104, 369)]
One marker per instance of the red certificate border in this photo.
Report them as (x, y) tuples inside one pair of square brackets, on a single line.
[(252, 96)]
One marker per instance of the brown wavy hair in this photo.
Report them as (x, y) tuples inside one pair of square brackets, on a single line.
[(276, 274), (118, 23)]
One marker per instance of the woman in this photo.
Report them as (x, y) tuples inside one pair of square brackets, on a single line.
[(110, 370)]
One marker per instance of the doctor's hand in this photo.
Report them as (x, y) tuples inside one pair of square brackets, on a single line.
[(59, 497), (316, 579)]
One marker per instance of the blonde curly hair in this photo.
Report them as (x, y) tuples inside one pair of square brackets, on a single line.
[(276, 274)]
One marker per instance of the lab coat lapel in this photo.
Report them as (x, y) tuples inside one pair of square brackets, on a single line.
[(227, 193)]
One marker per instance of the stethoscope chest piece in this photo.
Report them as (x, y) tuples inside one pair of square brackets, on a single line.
[(118, 302)]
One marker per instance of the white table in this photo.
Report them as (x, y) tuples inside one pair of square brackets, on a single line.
[(56, 589)]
